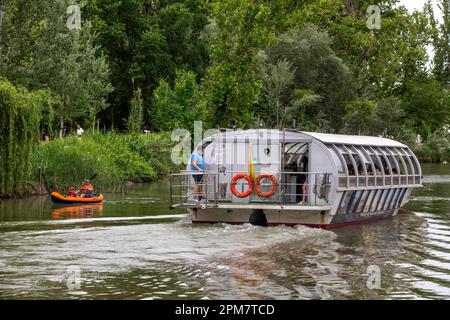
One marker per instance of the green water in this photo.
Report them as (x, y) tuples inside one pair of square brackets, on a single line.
[(134, 247)]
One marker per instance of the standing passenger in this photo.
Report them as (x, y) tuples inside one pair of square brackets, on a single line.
[(197, 169)]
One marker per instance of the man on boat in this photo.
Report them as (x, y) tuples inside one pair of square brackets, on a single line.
[(197, 169), (86, 189)]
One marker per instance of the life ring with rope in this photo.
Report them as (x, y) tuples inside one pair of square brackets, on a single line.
[(234, 181), (271, 192)]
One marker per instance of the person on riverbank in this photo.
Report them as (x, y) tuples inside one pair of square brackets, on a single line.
[(80, 131), (197, 168)]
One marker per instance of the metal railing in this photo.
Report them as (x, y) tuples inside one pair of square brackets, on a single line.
[(213, 188), (363, 181)]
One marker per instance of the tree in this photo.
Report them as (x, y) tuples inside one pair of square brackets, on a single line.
[(146, 41), (177, 107), (19, 130), (277, 80), (65, 61), (441, 41), (427, 105), (135, 120), (317, 70), (230, 89), (360, 116)]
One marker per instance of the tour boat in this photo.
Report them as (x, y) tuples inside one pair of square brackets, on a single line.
[(289, 177)]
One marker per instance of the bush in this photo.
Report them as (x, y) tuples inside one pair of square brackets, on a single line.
[(435, 149), (115, 158)]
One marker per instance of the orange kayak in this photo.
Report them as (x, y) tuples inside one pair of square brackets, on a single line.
[(59, 198)]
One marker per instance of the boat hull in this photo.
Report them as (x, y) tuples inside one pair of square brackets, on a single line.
[(59, 198), (310, 218)]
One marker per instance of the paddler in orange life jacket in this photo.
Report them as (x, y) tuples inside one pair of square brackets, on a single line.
[(86, 190)]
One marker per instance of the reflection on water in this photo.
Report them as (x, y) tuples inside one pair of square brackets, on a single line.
[(134, 247), (76, 211)]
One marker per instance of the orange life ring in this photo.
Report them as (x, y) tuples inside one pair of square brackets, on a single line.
[(266, 194), (234, 181)]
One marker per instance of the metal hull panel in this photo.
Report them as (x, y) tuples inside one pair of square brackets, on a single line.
[(313, 219)]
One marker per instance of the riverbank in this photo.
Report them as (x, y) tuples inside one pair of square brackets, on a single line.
[(116, 160)]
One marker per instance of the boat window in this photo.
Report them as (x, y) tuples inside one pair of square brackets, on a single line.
[(364, 155), (337, 160), (393, 164), (401, 164), (408, 165), (415, 164), (359, 164), (384, 164), (376, 164), (349, 164)]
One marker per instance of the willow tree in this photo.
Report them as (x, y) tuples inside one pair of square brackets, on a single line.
[(19, 131)]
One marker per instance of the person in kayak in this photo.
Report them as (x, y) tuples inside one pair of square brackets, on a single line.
[(86, 189), (72, 192)]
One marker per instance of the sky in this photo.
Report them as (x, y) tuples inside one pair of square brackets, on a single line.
[(418, 4)]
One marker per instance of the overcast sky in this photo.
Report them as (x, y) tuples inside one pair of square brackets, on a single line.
[(418, 4)]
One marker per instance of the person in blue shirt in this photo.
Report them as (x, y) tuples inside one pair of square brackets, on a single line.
[(197, 168)]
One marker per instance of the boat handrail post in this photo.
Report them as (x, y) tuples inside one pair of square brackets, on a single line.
[(170, 191)]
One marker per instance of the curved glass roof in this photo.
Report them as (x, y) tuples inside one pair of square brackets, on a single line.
[(355, 140)]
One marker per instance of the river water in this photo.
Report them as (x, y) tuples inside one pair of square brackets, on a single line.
[(134, 247)]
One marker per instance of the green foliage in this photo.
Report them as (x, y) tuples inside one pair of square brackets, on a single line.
[(427, 105), (177, 107), (136, 117), (441, 40), (359, 117), (19, 130), (277, 80), (67, 62), (115, 158), (230, 89), (316, 69), (147, 41), (435, 149)]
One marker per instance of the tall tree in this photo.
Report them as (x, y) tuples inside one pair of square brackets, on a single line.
[(230, 89)]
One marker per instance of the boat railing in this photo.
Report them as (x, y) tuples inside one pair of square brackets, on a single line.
[(214, 188), (364, 181)]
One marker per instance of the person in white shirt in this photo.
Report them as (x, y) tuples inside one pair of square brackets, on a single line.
[(80, 131)]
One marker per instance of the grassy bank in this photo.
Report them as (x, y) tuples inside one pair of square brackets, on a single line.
[(116, 159)]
